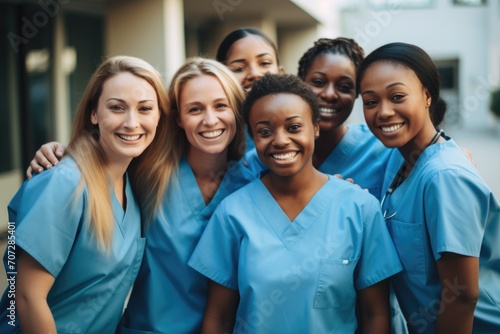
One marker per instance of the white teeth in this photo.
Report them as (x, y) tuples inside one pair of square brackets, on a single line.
[(212, 134), (391, 128), (247, 89), (130, 138), (328, 111), (284, 156)]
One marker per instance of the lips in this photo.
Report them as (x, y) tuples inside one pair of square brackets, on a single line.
[(129, 137), (211, 134), (390, 128), (325, 110), (284, 156)]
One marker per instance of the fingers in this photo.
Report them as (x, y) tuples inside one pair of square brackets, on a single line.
[(469, 156), (350, 180), (33, 168), (338, 176), (47, 156)]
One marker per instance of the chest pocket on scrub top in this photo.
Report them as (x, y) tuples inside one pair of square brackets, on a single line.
[(335, 284), (409, 242)]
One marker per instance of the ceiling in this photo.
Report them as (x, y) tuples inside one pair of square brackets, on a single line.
[(284, 12)]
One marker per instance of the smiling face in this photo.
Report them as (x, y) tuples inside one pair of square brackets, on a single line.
[(251, 57), (284, 133), (206, 116), (332, 78), (127, 115), (395, 105)]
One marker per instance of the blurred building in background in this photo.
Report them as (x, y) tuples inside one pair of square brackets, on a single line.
[(51, 47)]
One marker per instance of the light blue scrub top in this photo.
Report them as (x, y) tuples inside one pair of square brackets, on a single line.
[(444, 206), (169, 296), (90, 287), (300, 276), (360, 156)]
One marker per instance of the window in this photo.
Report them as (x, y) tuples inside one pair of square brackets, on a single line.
[(381, 4), (469, 2)]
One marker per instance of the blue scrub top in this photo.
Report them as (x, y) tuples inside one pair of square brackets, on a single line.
[(444, 206), (90, 286), (169, 296), (360, 156), (300, 276)]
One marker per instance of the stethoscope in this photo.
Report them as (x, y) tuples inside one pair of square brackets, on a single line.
[(399, 179)]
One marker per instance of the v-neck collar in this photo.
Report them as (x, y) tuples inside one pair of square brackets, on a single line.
[(118, 213), (192, 192), (290, 232)]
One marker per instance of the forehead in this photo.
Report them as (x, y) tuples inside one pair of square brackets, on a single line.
[(126, 84), (202, 86), (281, 105), (330, 63), (385, 72), (251, 45)]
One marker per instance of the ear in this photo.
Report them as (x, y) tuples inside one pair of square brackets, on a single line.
[(428, 98), (281, 70), (178, 121), (316, 130), (93, 118)]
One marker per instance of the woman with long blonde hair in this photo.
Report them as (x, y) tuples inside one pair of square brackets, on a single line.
[(77, 245), (206, 143)]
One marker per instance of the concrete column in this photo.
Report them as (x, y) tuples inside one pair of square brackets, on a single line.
[(149, 29)]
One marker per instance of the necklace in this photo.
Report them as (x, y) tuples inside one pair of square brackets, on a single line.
[(400, 177)]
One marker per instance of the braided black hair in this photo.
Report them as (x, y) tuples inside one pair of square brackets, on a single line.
[(340, 45)]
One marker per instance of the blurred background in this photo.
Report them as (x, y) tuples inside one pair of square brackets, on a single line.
[(50, 48)]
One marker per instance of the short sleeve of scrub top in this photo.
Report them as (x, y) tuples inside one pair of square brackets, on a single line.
[(467, 202), (223, 241), (48, 217)]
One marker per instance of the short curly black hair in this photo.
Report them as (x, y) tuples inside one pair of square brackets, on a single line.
[(273, 84)]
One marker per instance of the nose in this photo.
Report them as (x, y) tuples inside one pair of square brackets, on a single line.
[(253, 72), (132, 120), (385, 111), (329, 93), (281, 138), (210, 118)]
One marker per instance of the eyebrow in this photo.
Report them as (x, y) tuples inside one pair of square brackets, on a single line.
[(220, 99), (286, 119), (258, 56), (123, 101), (386, 87)]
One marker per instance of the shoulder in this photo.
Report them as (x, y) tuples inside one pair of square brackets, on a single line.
[(351, 193), (65, 175), (448, 158)]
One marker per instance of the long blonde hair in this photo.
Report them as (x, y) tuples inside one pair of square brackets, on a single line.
[(84, 148)]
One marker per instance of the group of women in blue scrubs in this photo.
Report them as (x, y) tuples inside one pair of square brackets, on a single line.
[(290, 252), (77, 243), (330, 69), (442, 217)]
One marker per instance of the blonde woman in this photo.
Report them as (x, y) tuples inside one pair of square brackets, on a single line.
[(78, 243), (204, 166)]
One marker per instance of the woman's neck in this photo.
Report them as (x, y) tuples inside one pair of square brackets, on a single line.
[(412, 150), (326, 143), (296, 184), (208, 170)]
